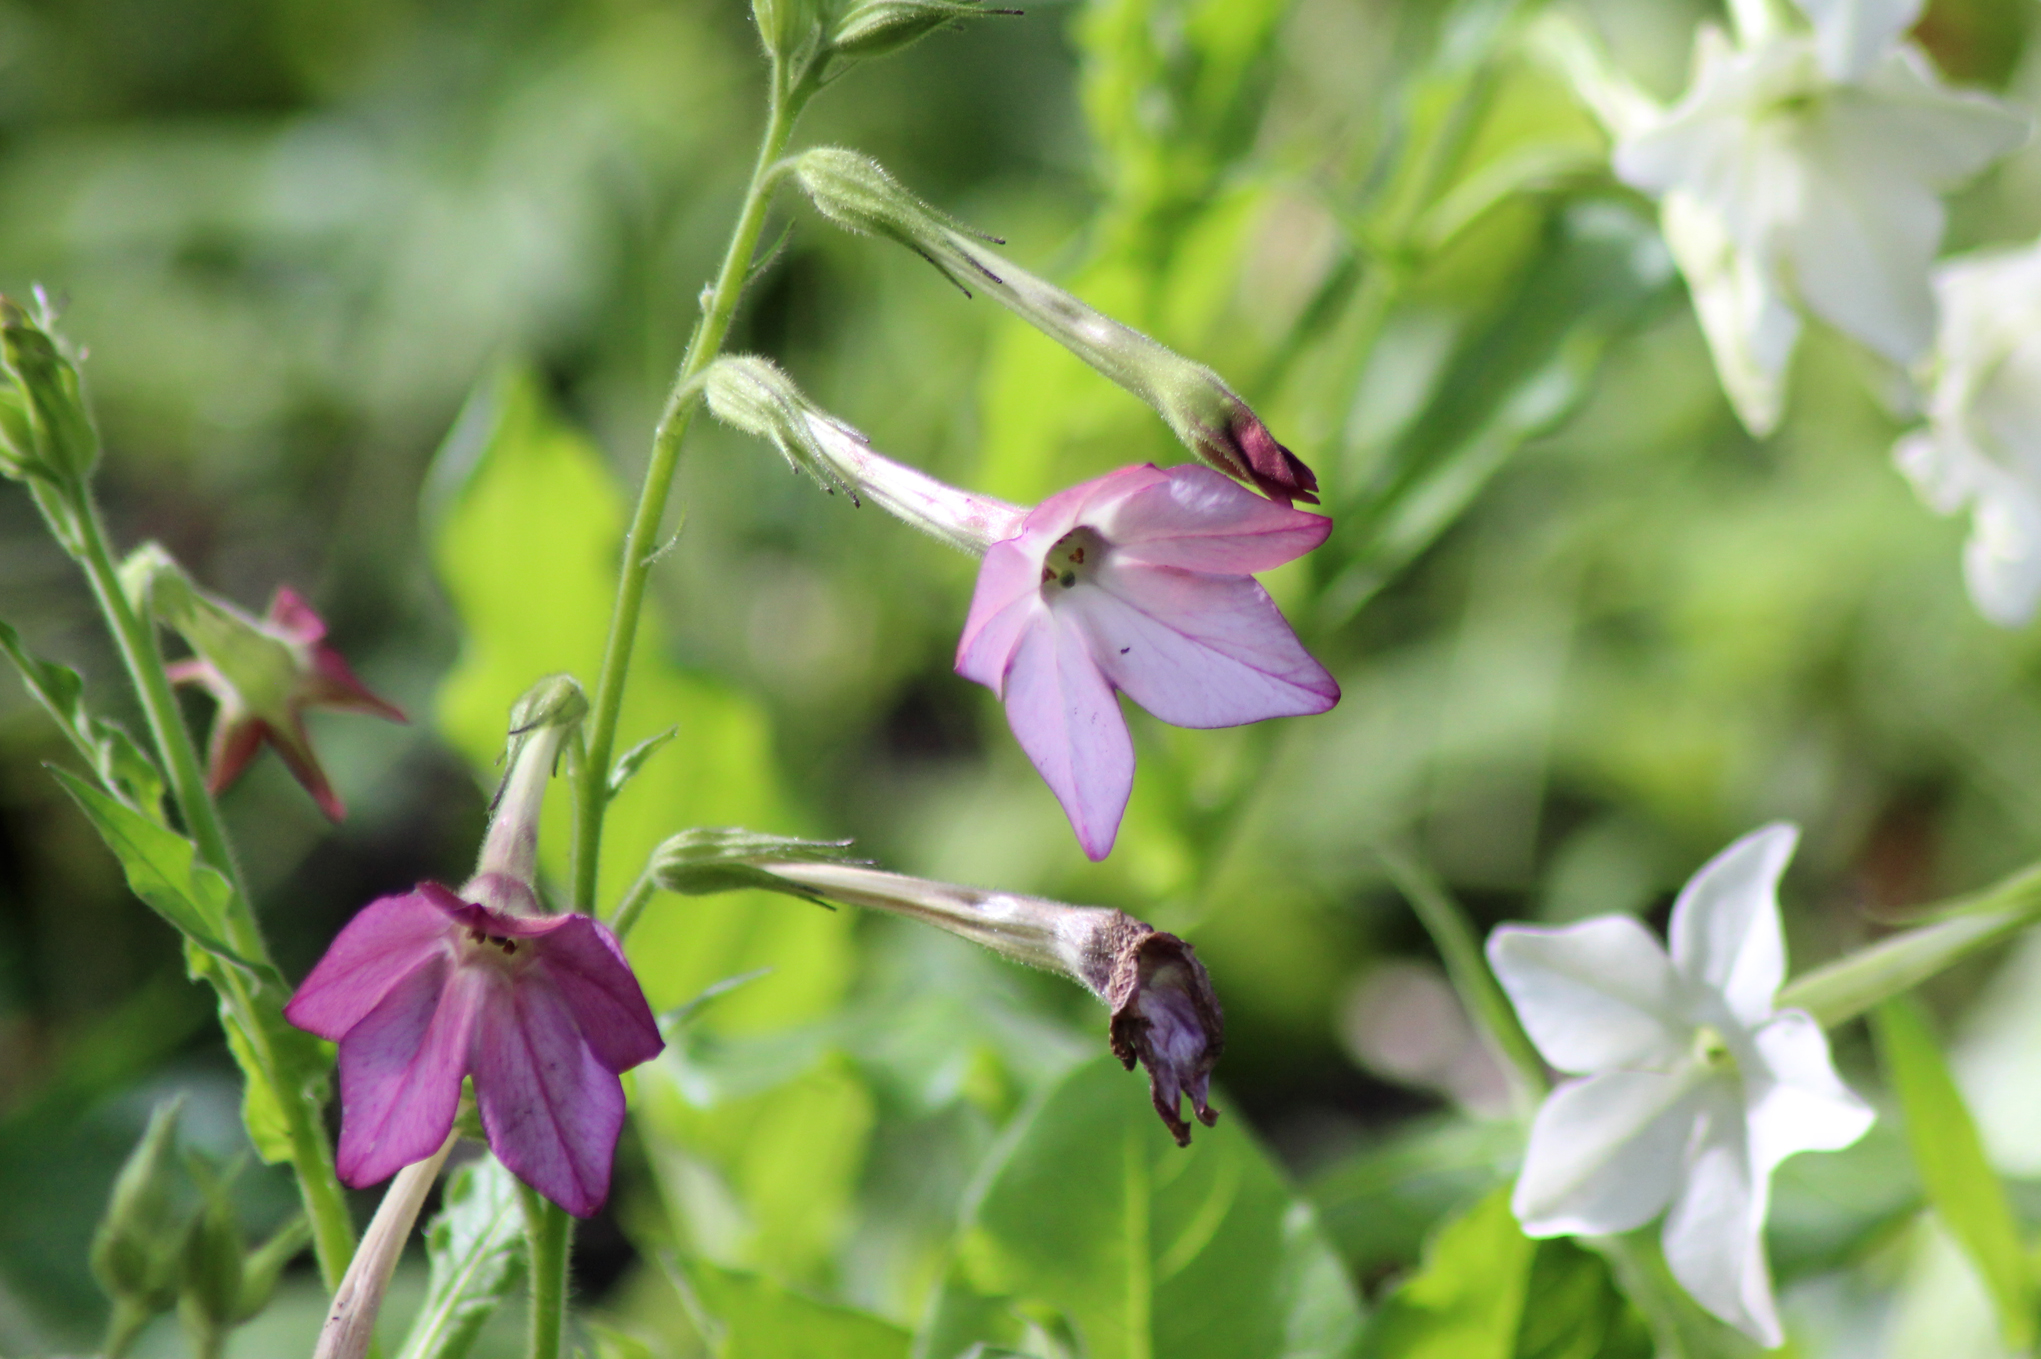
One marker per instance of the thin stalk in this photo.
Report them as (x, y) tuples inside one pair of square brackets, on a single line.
[(548, 1230), (311, 1154), (349, 1332), (641, 540), (633, 905)]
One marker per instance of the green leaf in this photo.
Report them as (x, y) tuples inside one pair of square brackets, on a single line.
[(1091, 1217), (1379, 1204), (1575, 1310), (750, 1317), (1962, 1187), (1468, 1300), (120, 764), (163, 869), (526, 523), (475, 1247), (1524, 369), (302, 1060), (631, 761)]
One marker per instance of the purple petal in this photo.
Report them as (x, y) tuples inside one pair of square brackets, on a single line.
[(401, 1069), (1200, 521), (387, 941), (583, 960), (551, 1109), (1065, 717), (1197, 650)]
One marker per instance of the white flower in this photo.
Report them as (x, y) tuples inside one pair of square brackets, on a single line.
[(1689, 1088), (1803, 169), (1982, 445)]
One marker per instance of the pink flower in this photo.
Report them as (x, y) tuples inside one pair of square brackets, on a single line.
[(423, 989), (264, 673), (1138, 582)]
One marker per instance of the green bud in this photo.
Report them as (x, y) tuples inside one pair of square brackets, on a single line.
[(857, 194), (264, 1265), (555, 701), (210, 1270), (708, 860), (790, 29), (135, 1248), (17, 434), (879, 27), (51, 434), (753, 394)]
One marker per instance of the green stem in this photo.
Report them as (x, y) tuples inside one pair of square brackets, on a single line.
[(548, 1230), (633, 905), (641, 540), (311, 1154)]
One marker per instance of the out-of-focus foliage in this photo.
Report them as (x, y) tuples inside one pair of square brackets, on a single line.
[(335, 263)]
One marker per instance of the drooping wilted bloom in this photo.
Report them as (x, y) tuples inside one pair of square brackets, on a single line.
[(1212, 421), (1688, 1087), (263, 672), (1982, 444), (1165, 1014), (429, 987), (1138, 582), (1803, 169)]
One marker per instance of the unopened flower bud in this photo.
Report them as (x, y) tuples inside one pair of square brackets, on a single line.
[(857, 194), (879, 27), (540, 723), (754, 395), (48, 432), (1164, 1012), (209, 1292), (135, 1248), (790, 29)]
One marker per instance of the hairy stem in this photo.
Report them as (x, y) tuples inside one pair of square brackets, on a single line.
[(549, 1231), (640, 542), (311, 1154)]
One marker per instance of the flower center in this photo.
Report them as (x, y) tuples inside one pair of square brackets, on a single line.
[(508, 945), (1712, 1051), (1075, 555)]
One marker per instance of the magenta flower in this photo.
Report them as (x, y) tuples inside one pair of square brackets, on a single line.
[(264, 673), (1138, 582), (424, 989)]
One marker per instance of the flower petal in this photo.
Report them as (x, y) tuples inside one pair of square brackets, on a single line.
[(1851, 35), (1065, 717), (551, 1109), (1714, 1235), (1725, 926), (1006, 602), (1199, 520), (1605, 1152), (1750, 328), (1594, 995), (387, 941), (582, 959), (1196, 650), (401, 1070), (1797, 1102)]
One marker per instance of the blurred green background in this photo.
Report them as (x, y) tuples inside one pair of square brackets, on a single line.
[(1588, 630)]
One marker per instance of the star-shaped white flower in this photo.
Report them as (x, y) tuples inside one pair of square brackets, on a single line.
[(1688, 1088), (1982, 444), (1803, 168)]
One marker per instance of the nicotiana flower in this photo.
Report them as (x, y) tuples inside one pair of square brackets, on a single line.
[(1687, 1087), (263, 672), (1138, 582), (1982, 444), (429, 987), (1803, 168), (1165, 1014)]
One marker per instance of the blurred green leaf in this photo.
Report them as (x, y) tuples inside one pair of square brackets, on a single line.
[(1090, 1215), (751, 1317), (475, 1249), (1830, 1209), (122, 768), (163, 869), (305, 1060), (1524, 370), (1962, 1187), (527, 523), (1573, 1309), (1380, 1203), (1468, 1300)]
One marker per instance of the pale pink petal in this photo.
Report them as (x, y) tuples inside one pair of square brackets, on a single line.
[(387, 941), (1196, 650), (551, 1109), (1007, 598), (401, 1070), (1202, 521), (1065, 717)]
